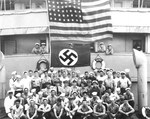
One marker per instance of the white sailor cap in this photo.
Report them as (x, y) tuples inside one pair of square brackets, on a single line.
[(18, 95), (14, 72), (10, 91), (99, 101), (127, 70), (94, 93), (33, 90), (37, 43), (18, 76), (62, 95)]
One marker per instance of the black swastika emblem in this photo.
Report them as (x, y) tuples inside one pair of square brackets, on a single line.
[(68, 57)]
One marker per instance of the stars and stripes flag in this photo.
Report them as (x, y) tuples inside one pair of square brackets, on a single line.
[(83, 20)]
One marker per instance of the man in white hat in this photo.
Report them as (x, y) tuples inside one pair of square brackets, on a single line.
[(12, 80), (18, 86), (109, 50), (94, 100), (43, 48), (124, 82), (101, 47), (9, 102), (36, 49), (128, 95)]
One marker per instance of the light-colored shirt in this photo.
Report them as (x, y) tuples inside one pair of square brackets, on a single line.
[(8, 103)]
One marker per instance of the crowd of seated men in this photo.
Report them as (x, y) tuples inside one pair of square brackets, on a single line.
[(68, 94)]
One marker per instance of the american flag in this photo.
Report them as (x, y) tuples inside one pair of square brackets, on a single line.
[(83, 20)]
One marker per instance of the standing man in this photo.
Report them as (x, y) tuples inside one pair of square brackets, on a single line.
[(124, 82), (9, 102), (12, 80), (43, 48)]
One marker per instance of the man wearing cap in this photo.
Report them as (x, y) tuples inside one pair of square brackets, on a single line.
[(58, 87), (83, 88), (26, 81), (109, 82), (94, 100), (9, 102), (36, 82), (71, 108), (48, 88), (36, 49), (95, 88), (109, 50), (74, 87), (12, 80), (66, 88), (128, 95), (85, 97), (124, 82), (99, 111), (44, 109), (43, 48), (101, 47), (18, 86)]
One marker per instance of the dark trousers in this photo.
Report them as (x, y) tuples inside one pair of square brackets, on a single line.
[(41, 115), (52, 115)]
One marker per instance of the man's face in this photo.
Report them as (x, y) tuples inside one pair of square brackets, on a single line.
[(53, 93), (30, 73), (45, 102), (37, 46), (122, 76), (10, 95), (17, 104)]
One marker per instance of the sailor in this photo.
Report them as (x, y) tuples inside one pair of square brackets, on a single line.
[(12, 80), (94, 100), (32, 110), (113, 109), (43, 48), (44, 109), (99, 110), (128, 95), (36, 49), (84, 110), (9, 102), (124, 82), (58, 111), (109, 50), (17, 111), (71, 108), (126, 110), (18, 86)]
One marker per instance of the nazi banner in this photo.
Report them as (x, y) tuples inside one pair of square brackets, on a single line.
[(66, 55)]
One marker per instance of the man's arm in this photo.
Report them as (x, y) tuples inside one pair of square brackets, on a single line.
[(35, 113), (79, 110)]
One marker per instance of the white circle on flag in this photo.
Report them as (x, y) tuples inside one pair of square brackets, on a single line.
[(68, 57)]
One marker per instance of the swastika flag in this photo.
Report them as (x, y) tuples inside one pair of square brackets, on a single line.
[(70, 54)]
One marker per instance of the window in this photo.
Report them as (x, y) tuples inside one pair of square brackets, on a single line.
[(22, 4)]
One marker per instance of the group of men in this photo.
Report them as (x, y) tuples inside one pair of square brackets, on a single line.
[(68, 94), (39, 49)]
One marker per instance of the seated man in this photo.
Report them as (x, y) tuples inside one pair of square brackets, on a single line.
[(109, 50), (44, 110), (32, 110), (99, 111), (113, 110), (36, 49), (128, 95), (9, 102), (94, 100), (17, 111), (84, 111), (58, 111), (71, 108), (125, 110)]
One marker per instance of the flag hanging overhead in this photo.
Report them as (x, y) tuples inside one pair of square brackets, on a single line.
[(68, 54), (84, 20)]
